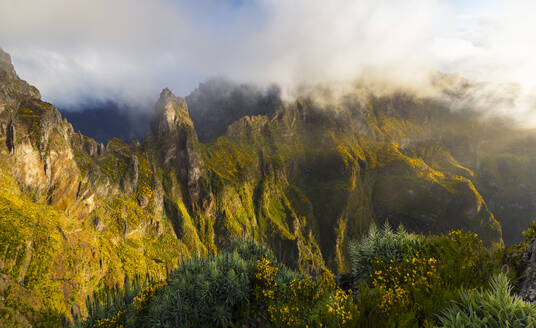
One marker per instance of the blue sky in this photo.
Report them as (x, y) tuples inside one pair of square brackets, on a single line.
[(470, 6)]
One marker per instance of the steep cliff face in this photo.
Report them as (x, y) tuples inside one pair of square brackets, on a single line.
[(341, 169), (504, 171), (176, 138), (217, 103), (71, 218), (303, 180)]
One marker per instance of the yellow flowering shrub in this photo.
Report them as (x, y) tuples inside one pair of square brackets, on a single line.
[(114, 322), (460, 236), (464, 261), (293, 309), (309, 303), (339, 311), (398, 280), (143, 298), (327, 281), (265, 284)]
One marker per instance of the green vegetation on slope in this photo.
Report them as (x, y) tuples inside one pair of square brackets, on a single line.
[(495, 307), (400, 280), (303, 181), (49, 264)]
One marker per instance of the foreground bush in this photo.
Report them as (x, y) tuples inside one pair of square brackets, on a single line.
[(207, 292), (242, 287), (494, 307), (381, 244), (404, 279), (401, 280), (303, 302)]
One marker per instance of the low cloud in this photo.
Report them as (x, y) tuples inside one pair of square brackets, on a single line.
[(128, 51)]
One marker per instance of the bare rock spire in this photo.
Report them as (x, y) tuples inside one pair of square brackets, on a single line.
[(11, 86), (6, 65)]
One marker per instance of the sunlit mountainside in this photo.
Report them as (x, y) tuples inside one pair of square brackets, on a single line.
[(304, 178), (267, 163)]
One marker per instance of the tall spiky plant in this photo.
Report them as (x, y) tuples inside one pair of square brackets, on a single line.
[(495, 307), (110, 301)]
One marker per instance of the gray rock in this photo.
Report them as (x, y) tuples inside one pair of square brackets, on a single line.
[(6, 65), (10, 137), (129, 181), (528, 283), (173, 128)]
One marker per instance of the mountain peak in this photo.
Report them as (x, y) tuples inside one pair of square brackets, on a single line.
[(167, 97), (169, 113), (5, 63), (9, 77), (166, 94)]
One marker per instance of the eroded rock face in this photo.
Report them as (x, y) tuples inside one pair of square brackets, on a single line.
[(527, 286), (78, 212), (12, 88), (174, 131), (170, 114), (5, 64), (129, 181), (218, 103), (10, 137)]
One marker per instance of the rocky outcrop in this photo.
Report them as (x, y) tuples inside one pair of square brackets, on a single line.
[(71, 219), (10, 137), (5, 64), (129, 180), (174, 131), (13, 90), (527, 285), (170, 115), (217, 103)]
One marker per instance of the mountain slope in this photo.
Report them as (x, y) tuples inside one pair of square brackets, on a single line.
[(303, 180)]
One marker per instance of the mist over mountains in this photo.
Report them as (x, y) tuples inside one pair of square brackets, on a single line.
[(217, 103), (213, 106), (267, 163), (104, 120), (304, 176), (79, 51)]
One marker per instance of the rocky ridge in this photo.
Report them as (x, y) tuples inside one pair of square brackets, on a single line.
[(303, 180)]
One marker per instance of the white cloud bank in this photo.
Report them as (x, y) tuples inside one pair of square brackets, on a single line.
[(129, 50)]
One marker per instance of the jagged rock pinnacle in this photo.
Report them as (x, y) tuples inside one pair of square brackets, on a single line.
[(11, 86), (170, 113), (166, 94), (174, 130), (5, 64)]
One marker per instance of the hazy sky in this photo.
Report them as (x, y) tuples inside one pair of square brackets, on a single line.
[(130, 50)]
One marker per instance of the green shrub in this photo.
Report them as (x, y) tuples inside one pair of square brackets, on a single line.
[(206, 292), (244, 286), (382, 244), (109, 308), (304, 301), (232, 289), (463, 260), (403, 279), (494, 307)]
